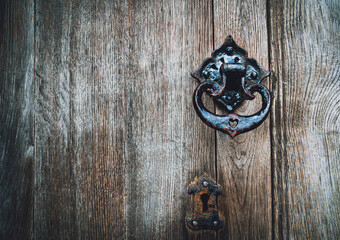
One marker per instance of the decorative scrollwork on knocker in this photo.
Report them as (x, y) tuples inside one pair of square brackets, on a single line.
[(230, 77)]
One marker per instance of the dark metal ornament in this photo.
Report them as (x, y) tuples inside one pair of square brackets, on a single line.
[(230, 77), (205, 214)]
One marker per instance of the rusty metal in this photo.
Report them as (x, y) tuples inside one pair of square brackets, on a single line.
[(205, 215), (230, 77)]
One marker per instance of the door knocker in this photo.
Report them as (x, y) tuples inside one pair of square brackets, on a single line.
[(230, 77)]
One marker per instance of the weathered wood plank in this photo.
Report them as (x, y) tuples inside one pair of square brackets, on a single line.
[(244, 162), (16, 118), (166, 145), (305, 43), (98, 110), (79, 170)]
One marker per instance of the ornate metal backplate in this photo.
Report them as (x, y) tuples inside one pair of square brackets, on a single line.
[(230, 77), (205, 215)]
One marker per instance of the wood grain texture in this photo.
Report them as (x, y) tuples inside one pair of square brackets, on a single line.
[(305, 43), (79, 168), (99, 138), (117, 139), (16, 118), (166, 145), (244, 169)]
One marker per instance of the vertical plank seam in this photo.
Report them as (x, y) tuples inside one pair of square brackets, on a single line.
[(213, 41), (71, 86), (215, 110), (125, 187), (268, 17), (34, 115), (283, 135)]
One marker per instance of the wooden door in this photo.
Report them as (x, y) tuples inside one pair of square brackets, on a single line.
[(99, 138)]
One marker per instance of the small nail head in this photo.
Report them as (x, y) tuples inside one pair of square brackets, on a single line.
[(229, 50), (205, 183), (215, 223), (254, 75), (195, 223)]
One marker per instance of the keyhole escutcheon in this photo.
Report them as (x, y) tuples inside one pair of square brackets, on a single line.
[(204, 214)]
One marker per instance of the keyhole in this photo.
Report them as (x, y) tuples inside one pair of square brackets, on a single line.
[(205, 198)]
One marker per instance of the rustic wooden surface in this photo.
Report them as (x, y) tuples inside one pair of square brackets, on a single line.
[(117, 139), (165, 144), (244, 161), (16, 119), (305, 43), (79, 138), (99, 138)]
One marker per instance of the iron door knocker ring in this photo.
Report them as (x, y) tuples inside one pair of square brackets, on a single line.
[(230, 77)]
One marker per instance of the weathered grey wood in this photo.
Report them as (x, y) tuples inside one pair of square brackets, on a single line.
[(166, 145), (16, 118), (99, 139), (79, 168), (244, 162), (113, 100), (305, 45)]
